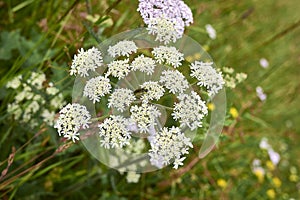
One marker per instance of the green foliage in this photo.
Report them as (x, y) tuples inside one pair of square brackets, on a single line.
[(44, 36)]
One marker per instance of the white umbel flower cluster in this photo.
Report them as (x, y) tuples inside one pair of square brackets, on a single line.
[(114, 133), (96, 88), (190, 110), (143, 64), (174, 81), (154, 91), (72, 117), (144, 116), (169, 55), (164, 29), (122, 48), (118, 68), (207, 76), (121, 99), (86, 61), (169, 145)]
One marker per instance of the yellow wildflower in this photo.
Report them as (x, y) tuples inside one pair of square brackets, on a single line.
[(221, 183), (234, 113), (260, 175), (270, 165), (271, 193), (277, 182), (211, 106)]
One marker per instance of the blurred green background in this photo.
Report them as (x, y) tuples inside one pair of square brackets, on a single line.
[(44, 36)]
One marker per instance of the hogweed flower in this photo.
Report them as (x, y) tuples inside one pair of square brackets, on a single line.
[(207, 76), (72, 118), (190, 110), (121, 99), (122, 48), (167, 145), (176, 11), (174, 81), (86, 61), (143, 64), (169, 55), (114, 133), (154, 91), (118, 68), (144, 116), (164, 29), (96, 88)]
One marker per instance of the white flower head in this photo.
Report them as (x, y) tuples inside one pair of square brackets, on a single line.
[(114, 133), (15, 82), (274, 156), (86, 61), (121, 99), (154, 91), (118, 68), (168, 145), (207, 76), (173, 10), (211, 31), (37, 80), (190, 110), (132, 177), (164, 29), (144, 116), (264, 144), (174, 81), (143, 64), (122, 48), (169, 55), (260, 93), (72, 117), (96, 88), (264, 63)]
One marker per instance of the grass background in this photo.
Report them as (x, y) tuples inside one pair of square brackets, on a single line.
[(44, 35)]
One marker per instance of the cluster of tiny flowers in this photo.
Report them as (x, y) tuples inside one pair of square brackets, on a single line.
[(231, 78), (143, 64), (190, 110), (164, 29), (96, 88), (72, 118), (86, 61), (27, 103), (173, 10), (174, 81), (169, 55), (118, 68), (144, 116), (114, 133), (154, 91), (207, 76), (121, 99), (122, 48), (168, 145)]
